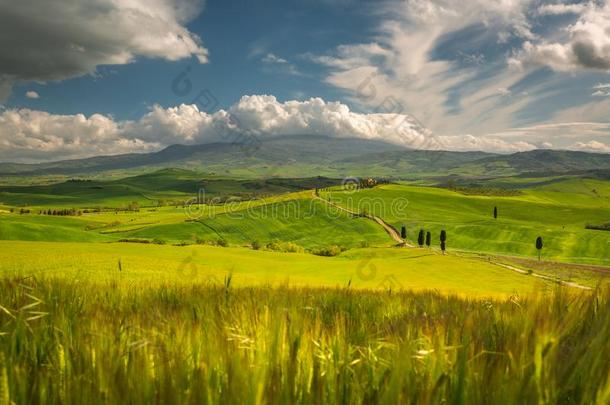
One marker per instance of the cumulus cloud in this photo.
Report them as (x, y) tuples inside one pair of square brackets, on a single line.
[(587, 44), (28, 135), (32, 94), (264, 115), (43, 41), (591, 146)]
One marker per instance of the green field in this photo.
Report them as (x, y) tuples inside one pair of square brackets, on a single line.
[(558, 212), (68, 340), (372, 268), (288, 218), (179, 300)]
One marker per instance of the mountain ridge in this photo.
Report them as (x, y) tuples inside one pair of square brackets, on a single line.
[(310, 155)]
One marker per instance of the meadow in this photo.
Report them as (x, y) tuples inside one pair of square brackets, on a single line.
[(558, 212), (70, 341), (372, 268), (237, 300)]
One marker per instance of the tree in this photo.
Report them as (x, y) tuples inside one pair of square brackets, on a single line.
[(428, 239), (420, 238), (443, 240), (539, 246), (403, 232), (495, 212)]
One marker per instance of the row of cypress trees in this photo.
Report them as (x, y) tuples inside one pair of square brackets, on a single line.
[(425, 238)]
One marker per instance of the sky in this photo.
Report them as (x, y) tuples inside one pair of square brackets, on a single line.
[(99, 77)]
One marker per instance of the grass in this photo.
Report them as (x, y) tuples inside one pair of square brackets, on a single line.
[(290, 218), (70, 341), (304, 222), (558, 212), (85, 319), (372, 268), (162, 187)]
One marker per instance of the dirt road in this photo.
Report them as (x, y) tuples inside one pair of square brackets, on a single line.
[(390, 230)]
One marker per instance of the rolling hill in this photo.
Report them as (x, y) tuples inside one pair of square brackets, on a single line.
[(314, 155)]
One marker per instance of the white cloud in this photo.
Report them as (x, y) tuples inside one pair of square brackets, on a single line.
[(452, 94), (71, 38), (32, 94), (27, 135), (503, 91), (601, 90), (558, 9), (264, 115), (485, 143), (591, 146), (275, 64), (587, 45), (271, 58)]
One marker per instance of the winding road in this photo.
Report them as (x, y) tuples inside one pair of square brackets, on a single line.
[(390, 230)]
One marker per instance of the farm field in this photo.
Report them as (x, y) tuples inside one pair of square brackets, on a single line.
[(67, 340), (372, 268), (558, 212), (317, 202), (288, 218), (310, 303)]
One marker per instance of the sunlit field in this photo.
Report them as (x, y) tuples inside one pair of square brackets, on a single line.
[(304, 297), (66, 340), (558, 212)]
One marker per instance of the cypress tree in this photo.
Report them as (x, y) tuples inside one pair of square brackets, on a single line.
[(420, 238), (539, 246)]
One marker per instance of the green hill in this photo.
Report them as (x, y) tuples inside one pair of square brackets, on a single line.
[(165, 185), (314, 155), (558, 212)]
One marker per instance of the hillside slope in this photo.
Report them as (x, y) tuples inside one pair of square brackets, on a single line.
[(314, 155)]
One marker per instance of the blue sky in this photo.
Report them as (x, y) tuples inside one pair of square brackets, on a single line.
[(79, 79), (238, 35)]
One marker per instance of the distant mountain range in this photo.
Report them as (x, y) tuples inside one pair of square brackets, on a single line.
[(312, 155)]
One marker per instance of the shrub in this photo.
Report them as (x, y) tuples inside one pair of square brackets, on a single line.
[(222, 242), (285, 247), (330, 251), (134, 240)]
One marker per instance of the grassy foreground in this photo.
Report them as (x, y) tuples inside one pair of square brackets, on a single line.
[(372, 268), (68, 342)]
